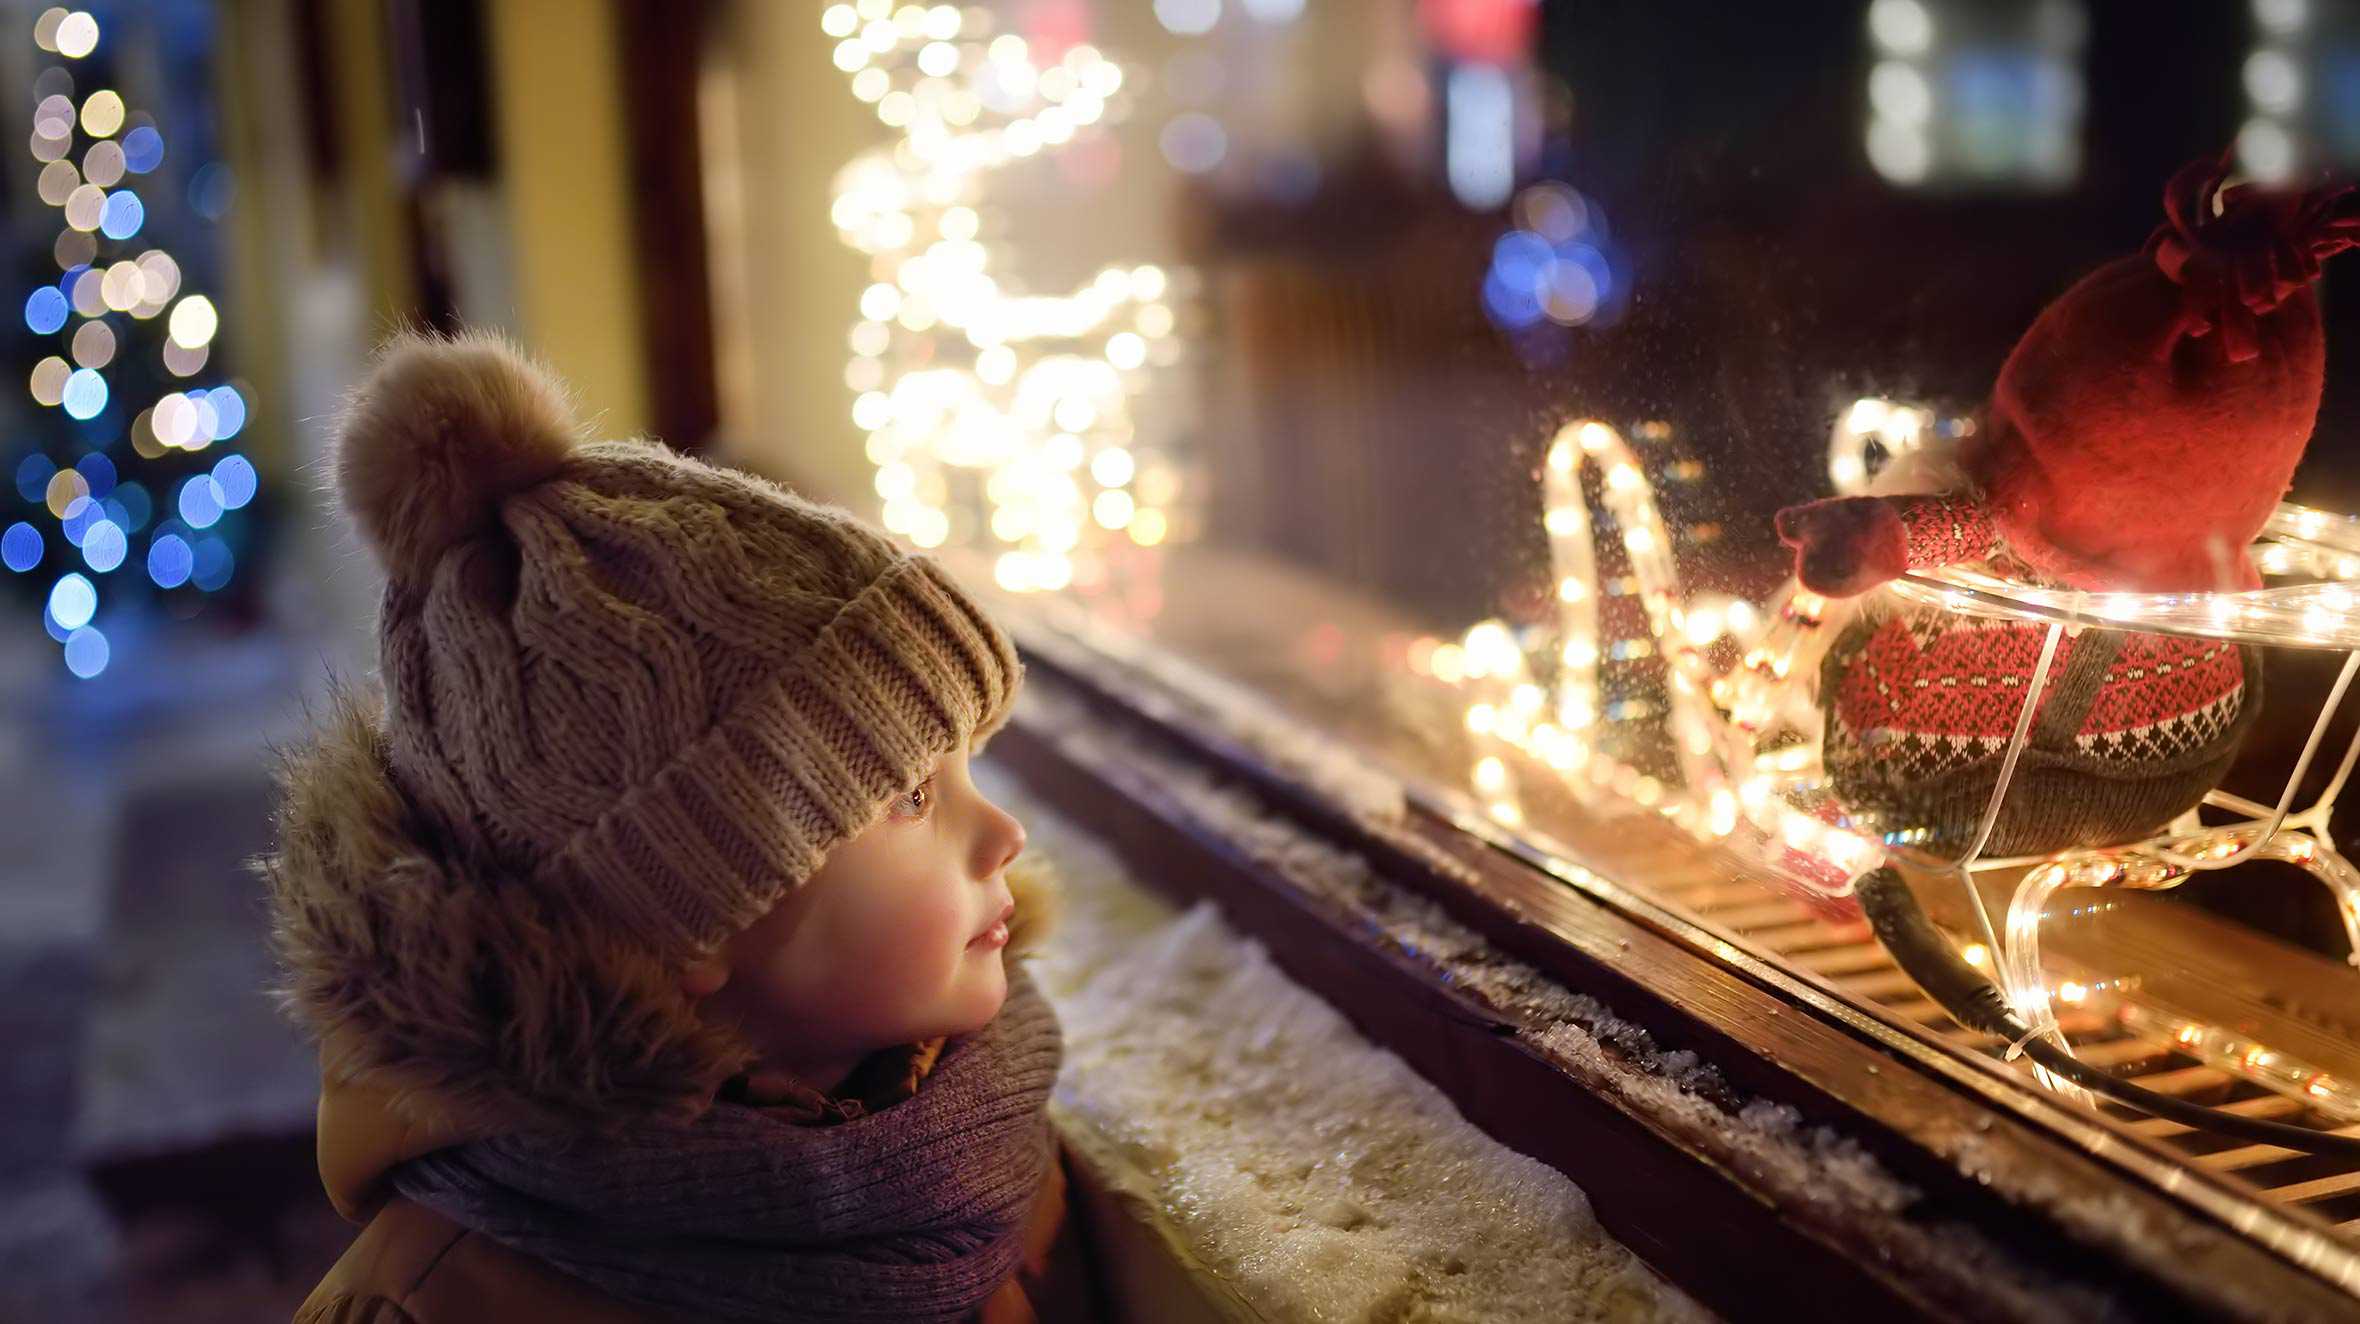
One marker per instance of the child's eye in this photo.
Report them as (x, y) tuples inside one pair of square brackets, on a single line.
[(916, 801)]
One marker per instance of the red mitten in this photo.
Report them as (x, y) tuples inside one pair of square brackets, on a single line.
[(1845, 545), (1849, 545)]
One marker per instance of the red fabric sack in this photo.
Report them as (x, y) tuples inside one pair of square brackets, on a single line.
[(2148, 423), (2142, 431)]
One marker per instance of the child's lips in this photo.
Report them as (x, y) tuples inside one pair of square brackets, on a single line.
[(997, 934)]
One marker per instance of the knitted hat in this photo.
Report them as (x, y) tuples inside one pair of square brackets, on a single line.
[(660, 688)]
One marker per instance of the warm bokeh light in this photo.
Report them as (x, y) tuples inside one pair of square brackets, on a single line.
[(992, 416), (194, 322), (77, 35), (102, 114)]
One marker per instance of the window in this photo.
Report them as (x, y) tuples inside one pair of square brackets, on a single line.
[(1437, 369)]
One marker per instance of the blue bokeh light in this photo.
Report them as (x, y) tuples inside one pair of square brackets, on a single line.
[(104, 545), (1563, 276), (169, 561), (212, 190), (73, 600), (98, 471), (81, 513), (200, 501), (1512, 306), (1519, 257), (20, 547), (131, 506), (143, 150), (229, 410), (32, 476), (86, 652), (122, 215), (234, 478), (46, 309), (86, 394)]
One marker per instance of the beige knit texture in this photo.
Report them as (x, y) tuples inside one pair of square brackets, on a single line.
[(657, 687)]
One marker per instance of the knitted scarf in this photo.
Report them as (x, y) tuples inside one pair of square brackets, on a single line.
[(912, 1212)]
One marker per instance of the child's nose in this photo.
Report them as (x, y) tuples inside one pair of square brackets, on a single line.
[(1001, 841)]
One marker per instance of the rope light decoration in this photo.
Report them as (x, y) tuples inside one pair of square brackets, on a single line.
[(1745, 743)]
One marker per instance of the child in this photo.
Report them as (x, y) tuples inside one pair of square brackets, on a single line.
[(654, 934)]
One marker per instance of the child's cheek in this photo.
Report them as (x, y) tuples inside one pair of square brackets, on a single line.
[(911, 950)]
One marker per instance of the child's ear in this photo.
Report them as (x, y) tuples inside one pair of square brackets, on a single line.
[(704, 978)]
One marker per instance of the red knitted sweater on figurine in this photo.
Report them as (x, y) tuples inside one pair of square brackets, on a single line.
[(2131, 728)]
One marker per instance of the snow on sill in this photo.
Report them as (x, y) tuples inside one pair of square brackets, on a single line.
[(1827, 1177), (1314, 1175)]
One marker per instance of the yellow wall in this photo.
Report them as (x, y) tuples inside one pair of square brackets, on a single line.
[(363, 88), (779, 125), (565, 169)]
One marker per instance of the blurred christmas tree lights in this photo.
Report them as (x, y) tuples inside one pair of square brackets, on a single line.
[(121, 465)]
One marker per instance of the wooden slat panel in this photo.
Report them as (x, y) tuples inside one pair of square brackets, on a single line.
[(1810, 935), (2276, 1107), (1922, 1009), (1878, 984), (2254, 1156), (2183, 1080), (2194, 964), (2342, 1183), (1708, 896)]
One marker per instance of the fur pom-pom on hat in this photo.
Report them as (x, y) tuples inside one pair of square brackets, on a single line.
[(439, 434)]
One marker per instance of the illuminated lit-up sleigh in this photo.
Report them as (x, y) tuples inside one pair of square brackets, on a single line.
[(1743, 731)]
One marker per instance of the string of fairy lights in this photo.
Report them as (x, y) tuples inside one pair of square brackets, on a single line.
[(992, 416), (95, 154)]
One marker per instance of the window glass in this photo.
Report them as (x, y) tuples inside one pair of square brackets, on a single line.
[(1439, 369)]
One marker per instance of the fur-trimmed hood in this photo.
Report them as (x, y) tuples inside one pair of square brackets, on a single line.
[(469, 1004)]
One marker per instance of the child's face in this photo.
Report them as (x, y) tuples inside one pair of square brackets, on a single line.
[(895, 939)]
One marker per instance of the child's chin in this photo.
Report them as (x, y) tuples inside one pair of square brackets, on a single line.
[(990, 991)]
